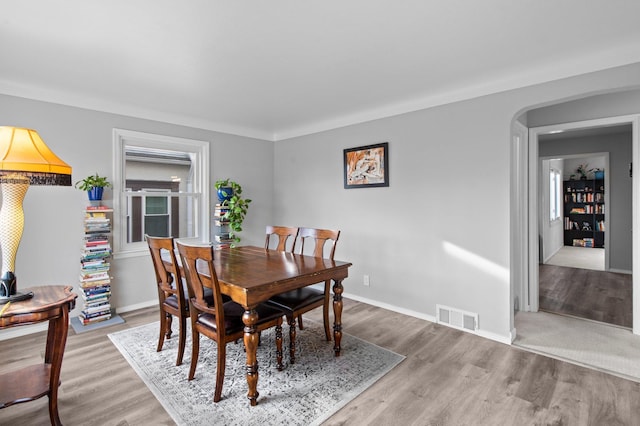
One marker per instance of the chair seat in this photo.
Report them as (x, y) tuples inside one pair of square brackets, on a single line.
[(233, 317), (296, 299), (172, 300)]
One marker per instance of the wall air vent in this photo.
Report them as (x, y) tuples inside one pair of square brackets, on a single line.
[(457, 318)]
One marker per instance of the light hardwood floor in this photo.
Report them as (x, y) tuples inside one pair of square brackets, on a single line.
[(596, 295), (448, 378)]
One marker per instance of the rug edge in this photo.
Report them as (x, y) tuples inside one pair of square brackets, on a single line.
[(151, 386), (363, 386)]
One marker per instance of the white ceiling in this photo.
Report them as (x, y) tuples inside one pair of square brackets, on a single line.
[(275, 69)]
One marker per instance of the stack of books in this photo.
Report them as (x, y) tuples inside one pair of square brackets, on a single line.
[(223, 237), (95, 281)]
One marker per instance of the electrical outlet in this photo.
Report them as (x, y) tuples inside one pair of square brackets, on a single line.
[(365, 280)]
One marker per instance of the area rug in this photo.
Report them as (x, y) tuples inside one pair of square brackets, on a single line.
[(305, 393)]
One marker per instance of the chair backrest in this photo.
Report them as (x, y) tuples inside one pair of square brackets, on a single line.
[(319, 237), (283, 233), (198, 269), (168, 276)]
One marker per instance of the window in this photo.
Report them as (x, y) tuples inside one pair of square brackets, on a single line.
[(160, 188), (555, 195)]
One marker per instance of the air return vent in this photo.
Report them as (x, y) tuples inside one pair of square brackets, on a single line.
[(457, 318)]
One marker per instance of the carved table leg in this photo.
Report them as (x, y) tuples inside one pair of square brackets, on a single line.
[(337, 313), (251, 338)]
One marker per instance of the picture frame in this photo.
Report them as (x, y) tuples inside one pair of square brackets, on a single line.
[(366, 166)]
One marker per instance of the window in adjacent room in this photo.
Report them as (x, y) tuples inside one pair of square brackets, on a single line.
[(160, 189), (555, 195)]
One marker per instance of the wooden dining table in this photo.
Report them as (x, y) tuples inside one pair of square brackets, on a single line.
[(251, 275)]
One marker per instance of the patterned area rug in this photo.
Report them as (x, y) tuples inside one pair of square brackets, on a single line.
[(307, 392)]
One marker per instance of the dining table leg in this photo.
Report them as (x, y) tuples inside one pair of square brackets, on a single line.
[(251, 338), (337, 314)]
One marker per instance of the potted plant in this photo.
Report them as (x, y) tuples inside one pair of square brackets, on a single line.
[(598, 173), (583, 171), (94, 185), (230, 196)]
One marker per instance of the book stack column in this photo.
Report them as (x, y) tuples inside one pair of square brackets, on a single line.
[(95, 281), (223, 237)]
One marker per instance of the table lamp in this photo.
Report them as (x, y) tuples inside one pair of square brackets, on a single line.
[(24, 160)]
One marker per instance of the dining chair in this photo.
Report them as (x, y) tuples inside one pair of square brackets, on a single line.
[(172, 300), (218, 320), (283, 233), (296, 302)]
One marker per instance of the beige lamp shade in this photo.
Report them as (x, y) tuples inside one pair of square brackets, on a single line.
[(23, 151), (24, 160)]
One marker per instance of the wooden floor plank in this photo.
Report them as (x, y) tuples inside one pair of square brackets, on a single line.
[(596, 295), (449, 377)]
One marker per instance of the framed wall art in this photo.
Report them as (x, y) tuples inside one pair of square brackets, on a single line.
[(366, 166)]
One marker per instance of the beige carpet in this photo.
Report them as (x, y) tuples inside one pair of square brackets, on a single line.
[(591, 344), (579, 257)]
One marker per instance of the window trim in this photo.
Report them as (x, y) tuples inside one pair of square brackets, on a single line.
[(555, 198), (199, 148)]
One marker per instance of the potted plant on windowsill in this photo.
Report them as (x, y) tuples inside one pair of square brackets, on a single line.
[(230, 197), (94, 185)]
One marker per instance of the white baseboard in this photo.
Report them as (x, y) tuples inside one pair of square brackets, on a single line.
[(10, 333), (389, 307), (487, 335), (142, 305)]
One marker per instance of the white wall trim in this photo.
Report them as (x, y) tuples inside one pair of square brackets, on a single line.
[(14, 332), (136, 306), (634, 120), (518, 258), (389, 307), (487, 335), (198, 148)]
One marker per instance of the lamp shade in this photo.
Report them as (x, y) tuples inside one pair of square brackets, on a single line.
[(23, 152), (24, 160)]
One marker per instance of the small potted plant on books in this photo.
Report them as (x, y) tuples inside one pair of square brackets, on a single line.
[(94, 185), (583, 171), (230, 197)]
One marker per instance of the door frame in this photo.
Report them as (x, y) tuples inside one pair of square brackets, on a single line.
[(532, 232)]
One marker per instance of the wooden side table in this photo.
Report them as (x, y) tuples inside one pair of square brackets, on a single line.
[(49, 303)]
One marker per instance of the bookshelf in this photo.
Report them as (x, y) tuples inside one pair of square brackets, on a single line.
[(584, 213), (95, 278), (223, 236)]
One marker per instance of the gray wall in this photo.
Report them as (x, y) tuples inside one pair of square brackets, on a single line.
[(50, 248), (592, 107), (619, 209), (439, 234)]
